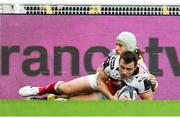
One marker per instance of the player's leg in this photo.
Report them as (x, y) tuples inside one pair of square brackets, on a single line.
[(78, 85), (84, 84), (36, 91)]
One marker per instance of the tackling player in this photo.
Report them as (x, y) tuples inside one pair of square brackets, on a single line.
[(125, 41)]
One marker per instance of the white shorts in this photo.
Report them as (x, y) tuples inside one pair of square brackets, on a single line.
[(93, 81)]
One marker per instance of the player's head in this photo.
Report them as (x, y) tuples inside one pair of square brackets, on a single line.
[(127, 63), (125, 41)]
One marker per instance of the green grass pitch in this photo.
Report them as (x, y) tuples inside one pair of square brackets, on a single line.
[(88, 108)]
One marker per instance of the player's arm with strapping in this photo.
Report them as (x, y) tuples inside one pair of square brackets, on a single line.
[(145, 91), (152, 78), (148, 94)]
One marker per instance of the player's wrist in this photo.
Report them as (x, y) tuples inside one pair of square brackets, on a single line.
[(112, 97)]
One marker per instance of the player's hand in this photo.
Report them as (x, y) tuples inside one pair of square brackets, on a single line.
[(154, 83), (115, 97)]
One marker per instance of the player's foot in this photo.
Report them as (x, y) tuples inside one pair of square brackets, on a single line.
[(28, 91)]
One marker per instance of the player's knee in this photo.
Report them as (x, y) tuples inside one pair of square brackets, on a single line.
[(63, 88), (59, 87)]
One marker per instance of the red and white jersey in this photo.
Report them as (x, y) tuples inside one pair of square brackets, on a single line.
[(139, 80)]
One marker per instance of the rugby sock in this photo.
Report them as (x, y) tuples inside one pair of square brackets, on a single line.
[(48, 89), (42, 90), (51, 88)]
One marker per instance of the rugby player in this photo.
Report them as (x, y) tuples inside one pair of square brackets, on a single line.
[(84, 85)]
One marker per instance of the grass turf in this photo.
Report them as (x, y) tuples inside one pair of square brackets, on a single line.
[(88, 108)]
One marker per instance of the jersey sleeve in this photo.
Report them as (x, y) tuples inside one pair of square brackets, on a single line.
[(143, 83), (113, 52), (109, 65), (106, 65)]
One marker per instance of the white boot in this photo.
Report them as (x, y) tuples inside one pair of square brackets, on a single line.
[(28, 91)]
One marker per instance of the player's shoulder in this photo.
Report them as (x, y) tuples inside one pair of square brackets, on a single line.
[(140, 74), (141, 77), (113, 52), (111, 62)]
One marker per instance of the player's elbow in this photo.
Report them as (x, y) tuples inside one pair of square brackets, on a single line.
[(147, 95)]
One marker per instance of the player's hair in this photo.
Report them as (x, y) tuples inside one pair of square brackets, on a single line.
[(129, 57), (139, 53)]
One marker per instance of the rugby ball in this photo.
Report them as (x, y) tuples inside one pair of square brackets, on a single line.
[(127, 93)]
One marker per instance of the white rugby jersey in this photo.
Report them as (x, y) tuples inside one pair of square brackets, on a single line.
[(139, 81)]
